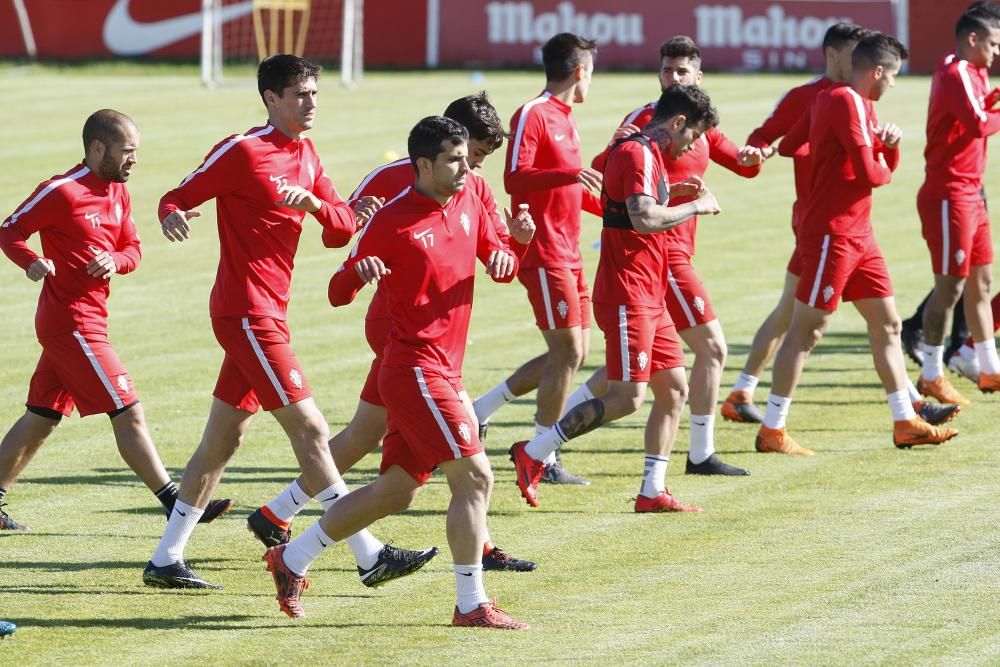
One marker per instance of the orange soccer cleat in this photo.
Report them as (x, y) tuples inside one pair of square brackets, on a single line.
[(777, 440), (288, 584), (487, 615), (989, 382), (909, 432), (739, 407), (942, 390), (665, 502)]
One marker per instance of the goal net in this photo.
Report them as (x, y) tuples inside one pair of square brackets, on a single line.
[(238, 34)]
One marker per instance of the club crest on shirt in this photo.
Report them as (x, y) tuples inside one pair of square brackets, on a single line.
[(118, 212), (827, 293), (465, 432), (123, 383), (279, 181), (296, 378), (464, 219), (699, 304), (643, 360), (563, 308), (94, 219), (960, 256)]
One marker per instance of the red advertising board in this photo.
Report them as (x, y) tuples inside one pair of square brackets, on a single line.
[(749, 35)]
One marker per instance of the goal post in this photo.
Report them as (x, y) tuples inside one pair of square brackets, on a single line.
[(244, 32)]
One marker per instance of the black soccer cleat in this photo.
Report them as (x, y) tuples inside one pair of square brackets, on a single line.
[(394, 563), (7, 522), (497, 559), (936, 413), (215, 509), (269, 533), (7, 629), (557, 474), (175, 575), (912, 338), (713, 465), (483, 428)]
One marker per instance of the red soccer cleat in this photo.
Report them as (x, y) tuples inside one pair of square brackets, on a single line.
[(664, 502), (528, 470), (288, 584), (487, 615)]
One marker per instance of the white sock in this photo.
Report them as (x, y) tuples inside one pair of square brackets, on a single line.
[(550, 459), (304, 549), (363, 544), (933, 366), (702, 438), (986, 354), (581, 395), (777, 411), (180, 525), (491, 401), (654, 473), (967, 351), (912, 392), (469, 585), (289, 502), (900, 405), (546, 444), (746, 382)]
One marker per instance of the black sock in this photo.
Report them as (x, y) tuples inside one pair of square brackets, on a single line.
[(3, 492), (167, 494)]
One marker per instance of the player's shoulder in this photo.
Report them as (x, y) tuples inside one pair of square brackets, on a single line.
[(246, 142), (65, 187), (640, 115)]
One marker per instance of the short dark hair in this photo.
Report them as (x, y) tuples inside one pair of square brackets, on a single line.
[(980, 18), (277, 72), (563, 53), (877, 48), (106, 126), (680, 46), (840, 35), (428, 136), (691, 101), (479, 117)]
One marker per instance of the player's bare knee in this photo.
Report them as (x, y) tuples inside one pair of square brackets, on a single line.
[(395, 498)]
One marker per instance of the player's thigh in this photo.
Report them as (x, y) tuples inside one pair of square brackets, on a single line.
[(91, 372), (559, 297), (687, 299), (827, 264), (869, 276), (46, 392), (950, 228)]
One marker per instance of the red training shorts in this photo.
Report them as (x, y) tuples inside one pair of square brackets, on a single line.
[(638, 341), (841, 267), (428, 421), (687, 298), (259, 369), (957, 232), (377, 335), (80, 369), (559, 297)]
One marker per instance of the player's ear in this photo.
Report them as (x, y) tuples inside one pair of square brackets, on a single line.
[(678, 122), (97, 148), (424, 165), (878, 72)]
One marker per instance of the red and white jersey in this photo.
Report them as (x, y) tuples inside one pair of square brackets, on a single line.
[(390, 179), (712, 146), (431, 251), (792, 106), (258, 238), (958, 124), (633, 266), (543, 162), (76, 214), (848, 161)]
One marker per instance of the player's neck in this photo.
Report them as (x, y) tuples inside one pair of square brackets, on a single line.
[(564, 91), (94, 166), (288, 132), (862, 86), (429, 192)]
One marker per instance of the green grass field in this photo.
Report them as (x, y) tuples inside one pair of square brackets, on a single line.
[(861, 554)]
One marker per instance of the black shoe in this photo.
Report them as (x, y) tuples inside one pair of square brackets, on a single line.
[(556, 474), (394, 563), (269, 533), (8, 523), (215, 509), (912, 337), (937, 413), (483, 427), (713, 465), (175, 575), (6, 629), (497, 559)]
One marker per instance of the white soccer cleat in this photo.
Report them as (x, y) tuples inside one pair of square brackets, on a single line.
[(967, 368)]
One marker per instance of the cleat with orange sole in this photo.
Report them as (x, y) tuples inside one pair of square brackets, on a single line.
[(665, 502), (289, 585), (907, 433), (989, 382), (487, 615), (739, 407), (936, 413), (941, 389), (777, 441)]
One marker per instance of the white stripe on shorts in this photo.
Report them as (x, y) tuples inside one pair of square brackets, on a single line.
[(623, 342), (438, 417), (680, 299), (819, 271), (263, 362), (105, 380), (544, 282), (945, 240)]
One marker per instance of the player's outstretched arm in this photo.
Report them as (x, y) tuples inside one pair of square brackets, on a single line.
[(354, 275), (175, 225), (648, 217), (337, 218), (745, 162)]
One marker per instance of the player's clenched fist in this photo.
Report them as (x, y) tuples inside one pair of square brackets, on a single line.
[(298, 198), (40, 268), (365, 208), (371, 269), (102, 265), (500, 266), (590, 179), (689, 187), (750, 156), (707, 204), (889, 134), (175, 226), (521, 227)]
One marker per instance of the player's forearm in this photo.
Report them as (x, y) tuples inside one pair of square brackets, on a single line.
[(868, 169), (344, 286), (654, 218), (127, 259), (173, 201), (16, 248), (339, 223), (526, 179)]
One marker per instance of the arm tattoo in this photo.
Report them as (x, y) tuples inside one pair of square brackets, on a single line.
[(582, 419)]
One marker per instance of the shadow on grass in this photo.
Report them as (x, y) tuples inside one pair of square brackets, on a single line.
[(227, 622)]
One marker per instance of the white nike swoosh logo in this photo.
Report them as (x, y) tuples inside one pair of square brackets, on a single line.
[(124, 36), (558, 137)]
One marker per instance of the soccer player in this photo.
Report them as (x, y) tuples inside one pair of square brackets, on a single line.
[(84, 219), (642, 348), (851, 155), (952, 205), (687, 299), (544, 170), (963, 360), (422, 247), (264, 182), (271, 523)]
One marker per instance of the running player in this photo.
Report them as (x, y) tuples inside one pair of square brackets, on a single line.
[(271, 522), (84, 219), (852, 154), (264, 182), (642, 348), (422, 246)]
